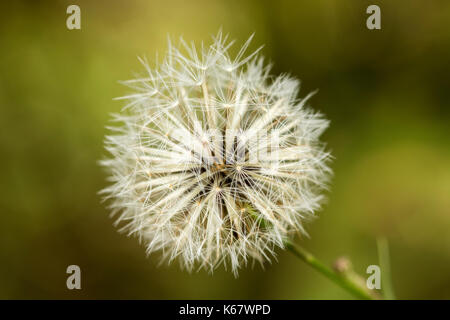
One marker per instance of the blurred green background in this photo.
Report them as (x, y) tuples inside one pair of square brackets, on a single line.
[(386, 92)]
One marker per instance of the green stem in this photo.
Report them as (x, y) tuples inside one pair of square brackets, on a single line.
[(386, 278), (347, 281)]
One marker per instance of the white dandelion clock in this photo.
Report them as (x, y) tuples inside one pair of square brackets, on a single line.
[(215, 161)]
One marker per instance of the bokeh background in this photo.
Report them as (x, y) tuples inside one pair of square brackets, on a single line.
[(386, 92)]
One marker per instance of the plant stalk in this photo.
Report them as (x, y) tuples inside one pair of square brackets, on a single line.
[(346, 280), (385, 264)]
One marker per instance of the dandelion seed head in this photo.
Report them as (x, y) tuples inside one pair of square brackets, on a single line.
[(215, 161)]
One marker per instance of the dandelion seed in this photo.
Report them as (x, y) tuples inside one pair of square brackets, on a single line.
[(185, 171)]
